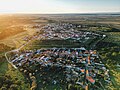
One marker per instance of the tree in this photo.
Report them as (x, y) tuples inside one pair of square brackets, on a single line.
[(2, 79), (14, 87), (114, 54), (3, 88)]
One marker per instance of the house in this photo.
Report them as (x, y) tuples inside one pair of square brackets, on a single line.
[(90, 79)]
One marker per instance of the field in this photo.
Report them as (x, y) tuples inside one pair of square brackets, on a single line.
[(57, 43), (14, 28)]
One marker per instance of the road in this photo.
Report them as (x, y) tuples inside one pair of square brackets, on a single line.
[(16, 50), (34, 37)]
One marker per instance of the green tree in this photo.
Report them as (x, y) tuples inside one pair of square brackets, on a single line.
[(3, 88), (14, 87), (114, 54)]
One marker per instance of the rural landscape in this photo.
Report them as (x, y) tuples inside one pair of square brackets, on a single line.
[(59, 44), (60, 51)]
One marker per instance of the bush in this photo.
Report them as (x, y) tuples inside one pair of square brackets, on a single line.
[(114, 54), (14, 87), (3, 88)]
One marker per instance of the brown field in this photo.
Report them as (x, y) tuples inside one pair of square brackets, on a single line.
[(14, 28)]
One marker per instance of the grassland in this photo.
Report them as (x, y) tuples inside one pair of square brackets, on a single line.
[(14, 28)]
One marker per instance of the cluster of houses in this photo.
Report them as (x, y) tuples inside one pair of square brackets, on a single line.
[(65, 31), (76, 66), (63, 66)]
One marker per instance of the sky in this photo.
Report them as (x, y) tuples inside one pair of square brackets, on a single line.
[(59, 6)]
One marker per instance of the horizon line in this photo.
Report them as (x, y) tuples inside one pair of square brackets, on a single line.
[(63, 13)]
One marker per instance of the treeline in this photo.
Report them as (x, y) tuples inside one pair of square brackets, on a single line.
[(110, 51), (6, 83), (112, 30)]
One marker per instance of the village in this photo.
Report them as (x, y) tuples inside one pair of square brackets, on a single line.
[(63, 66), (66, 31), (78, 65), (59, 44)]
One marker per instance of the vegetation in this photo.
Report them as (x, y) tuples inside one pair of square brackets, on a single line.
[(10, 78), (4, 48), (109, 49), (52, 43), (13, 31), (10, 26)]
